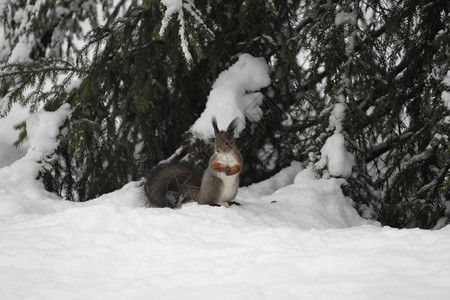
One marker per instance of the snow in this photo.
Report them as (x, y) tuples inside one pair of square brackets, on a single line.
[(344, 17), (8, 153), (234, 94), (20, 191), (335, 156), (183, 40), (42, 129), (22, 50), (309, 244), (337, 116), (445, 94), (172, 7), (295, 236), (178, 7), (74, 84), (4, 47), (272, 184)]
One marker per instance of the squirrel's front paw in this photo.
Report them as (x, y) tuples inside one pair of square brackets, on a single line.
[(234, 170), (228, 170)]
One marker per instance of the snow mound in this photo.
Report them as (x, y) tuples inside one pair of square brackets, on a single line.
[(113, 248), (293, 237), (42, 129), (308, 203), (269, 186), (335, 156), (20, 191)]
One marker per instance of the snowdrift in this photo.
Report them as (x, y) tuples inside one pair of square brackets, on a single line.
[(293, 237)]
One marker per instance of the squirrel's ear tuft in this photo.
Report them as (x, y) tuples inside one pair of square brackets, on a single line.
[(214, 124), (232, 127)]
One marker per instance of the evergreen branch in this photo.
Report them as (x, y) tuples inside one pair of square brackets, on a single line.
[(190, 7), (311, 83), (40, 70), (431, 189), (300, 126), (104, 33), (114, 14), (379, 149), (306, 21), (416, 159)]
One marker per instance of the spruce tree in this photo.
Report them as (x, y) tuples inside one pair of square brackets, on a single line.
[(142, 76), (387, 65)]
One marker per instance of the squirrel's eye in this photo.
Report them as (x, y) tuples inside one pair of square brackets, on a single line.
[(226, 143)]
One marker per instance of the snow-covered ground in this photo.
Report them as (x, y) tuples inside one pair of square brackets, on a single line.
[(293, 237), (302, 242)]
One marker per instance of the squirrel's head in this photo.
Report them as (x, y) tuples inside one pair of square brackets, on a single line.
[(224, 141)]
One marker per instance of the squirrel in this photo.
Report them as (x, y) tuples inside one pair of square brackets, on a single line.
[(171, 185)]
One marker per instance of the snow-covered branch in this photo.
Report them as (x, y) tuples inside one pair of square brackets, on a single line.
[(184, 9)]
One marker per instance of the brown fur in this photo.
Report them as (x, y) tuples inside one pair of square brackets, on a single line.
[(171, 185), (212, 191)]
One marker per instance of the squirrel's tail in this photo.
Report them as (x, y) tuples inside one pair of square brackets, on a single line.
[(170, 185)]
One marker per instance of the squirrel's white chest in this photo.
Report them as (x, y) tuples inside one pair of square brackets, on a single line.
[(230, 185), (227, 159)]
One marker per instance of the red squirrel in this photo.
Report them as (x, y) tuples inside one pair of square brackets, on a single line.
[(171, 185)]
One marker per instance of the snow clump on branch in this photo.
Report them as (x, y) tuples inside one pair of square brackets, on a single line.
[(234, 94)]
